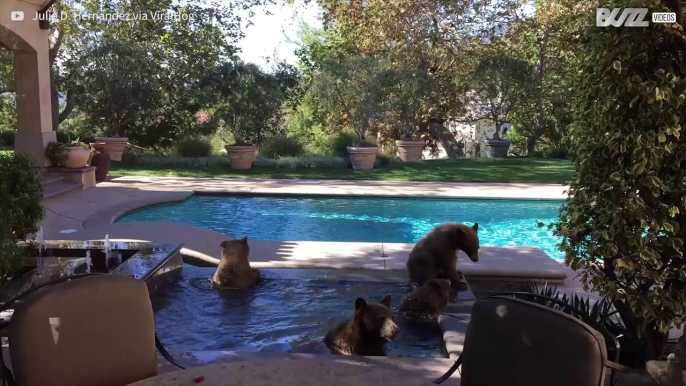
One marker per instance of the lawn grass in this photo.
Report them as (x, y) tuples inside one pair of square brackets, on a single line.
[(531, 170)]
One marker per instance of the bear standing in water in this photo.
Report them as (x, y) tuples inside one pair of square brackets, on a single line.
[(426, 301), (234, 271), (366, 333), (435, 255)]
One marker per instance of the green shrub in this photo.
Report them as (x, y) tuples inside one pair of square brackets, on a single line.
[(337, 144), (194, 148), (601, 315), (308, 162), (7, 138), (278, 147), (625, 221), (21, 208), (383, 160), (558, 153), (161, 161)]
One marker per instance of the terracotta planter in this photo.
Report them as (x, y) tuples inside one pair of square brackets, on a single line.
[(73, 157), (114, 146), (241, 157), (410, 151), (497, 148), (101, 160), (363, 158)]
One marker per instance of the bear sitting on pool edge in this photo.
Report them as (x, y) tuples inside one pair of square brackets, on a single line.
[(435, 255), (370, 328), (234, 271)]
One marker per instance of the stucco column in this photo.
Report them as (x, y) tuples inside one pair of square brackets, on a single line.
[(31, 50), (34, 110)]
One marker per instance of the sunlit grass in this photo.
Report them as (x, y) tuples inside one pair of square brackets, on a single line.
[(463, 170)]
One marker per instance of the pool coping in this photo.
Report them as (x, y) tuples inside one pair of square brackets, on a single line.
[(100, 208)]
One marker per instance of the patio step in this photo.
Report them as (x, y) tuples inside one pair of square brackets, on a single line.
[(50, 179), (56, 189)]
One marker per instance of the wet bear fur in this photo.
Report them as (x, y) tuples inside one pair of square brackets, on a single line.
[(435, 255), (366, 332), (425, 302), (234, 271)]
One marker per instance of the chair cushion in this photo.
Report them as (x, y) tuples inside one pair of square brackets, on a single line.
[(514, 342), (92, 331)]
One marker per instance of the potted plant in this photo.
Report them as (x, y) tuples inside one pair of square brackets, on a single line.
[(101, 160), (72, 155), (249, 106), (498, 147), (114, 146), (406, 89), (352, 89)]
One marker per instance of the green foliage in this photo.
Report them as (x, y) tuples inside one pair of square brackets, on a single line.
[(7, 138), (600, 314), (305, 162), (496, 87), (21, 209), (114, 97), (249, 101), (625, 222), (194, 147), (351, 91), (278, 147), (337, 144), (8, 112), (406, 92), (56, 150), (22, 193)]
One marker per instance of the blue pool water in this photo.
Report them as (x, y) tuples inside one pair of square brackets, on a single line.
[(392, 220), (278, 315)]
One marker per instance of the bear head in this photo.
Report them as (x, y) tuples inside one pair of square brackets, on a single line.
[(376, 319)]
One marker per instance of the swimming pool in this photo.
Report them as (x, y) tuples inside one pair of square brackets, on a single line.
[(361, 219)]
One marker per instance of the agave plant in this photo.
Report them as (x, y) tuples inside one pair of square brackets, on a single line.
[(601, 315)]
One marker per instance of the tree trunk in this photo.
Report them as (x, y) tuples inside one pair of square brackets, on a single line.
[(447, 139), (55, 101), (67, 109), (538, 112)]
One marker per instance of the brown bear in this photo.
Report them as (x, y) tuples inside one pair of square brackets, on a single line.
[(435, 255), (234, 271), (426, 301), (370, 328)]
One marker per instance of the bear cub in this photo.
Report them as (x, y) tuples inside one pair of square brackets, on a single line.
[(370, 328), (427, 301), (435, 255), (234, 271)]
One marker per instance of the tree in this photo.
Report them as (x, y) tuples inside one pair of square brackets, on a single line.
[(405, 95), (351, 90), (498, 86), (120, 88), (625, 221), (439, 37), (249, 101)]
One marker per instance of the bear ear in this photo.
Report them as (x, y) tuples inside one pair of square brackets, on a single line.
[(224, 243), (360, 304), (475, 227), (414, 286), (244, 240), (386, 301)]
